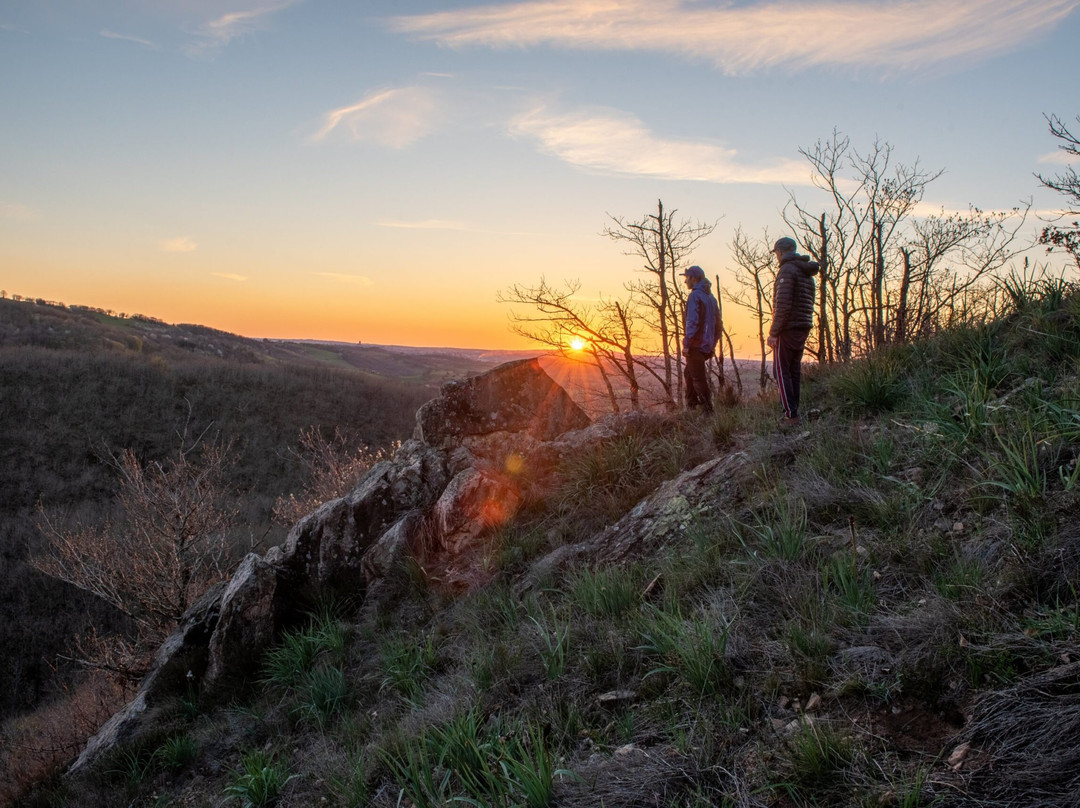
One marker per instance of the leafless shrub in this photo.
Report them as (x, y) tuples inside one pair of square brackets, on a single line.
[(333, 466), (166, 547), (35, 745)]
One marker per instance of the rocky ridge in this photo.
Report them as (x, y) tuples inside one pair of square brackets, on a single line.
[(477, 451)]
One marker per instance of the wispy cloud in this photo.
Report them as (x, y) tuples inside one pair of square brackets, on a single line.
[(15, 29), (426, 224), (180, 244), (397, 117), (15, 212), (1059, 157), (344, 277), (219, 32), (615, 142), (229, 276), (146, 43), (741, 38)]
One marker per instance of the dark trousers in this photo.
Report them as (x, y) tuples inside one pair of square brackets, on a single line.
[(787, 366), (697, 383)]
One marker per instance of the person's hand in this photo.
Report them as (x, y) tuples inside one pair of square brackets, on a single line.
[(772, 341)]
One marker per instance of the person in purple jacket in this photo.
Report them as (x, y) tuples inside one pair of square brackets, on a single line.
[(700, 325), (793, 316)]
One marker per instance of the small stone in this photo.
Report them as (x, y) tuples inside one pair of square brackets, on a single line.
[(956, 759), (628, 749), (958, 527), (813, 703), (615, 696)]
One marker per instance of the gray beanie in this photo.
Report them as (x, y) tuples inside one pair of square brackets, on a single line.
[(785, 245)]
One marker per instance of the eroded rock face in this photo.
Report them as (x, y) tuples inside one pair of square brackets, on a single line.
[(245, 616), (474, 502), (664, 517), (460, 476), (181, 660), (515, 397)]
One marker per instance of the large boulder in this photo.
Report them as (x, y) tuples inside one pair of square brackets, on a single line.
[(515, 397)]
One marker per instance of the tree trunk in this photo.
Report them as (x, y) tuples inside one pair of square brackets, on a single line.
[(825, 353), (901, 308), (607, 381), (877, 291)]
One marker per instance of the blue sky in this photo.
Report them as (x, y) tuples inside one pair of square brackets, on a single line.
[(378, 171)]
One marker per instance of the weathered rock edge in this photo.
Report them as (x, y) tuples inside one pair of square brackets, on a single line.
[(478, 451)]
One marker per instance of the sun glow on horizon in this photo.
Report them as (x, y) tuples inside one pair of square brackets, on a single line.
[(577, 344)]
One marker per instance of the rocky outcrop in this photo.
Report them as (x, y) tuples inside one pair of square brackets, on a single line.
[(478, 451), (512, 400), (664, 517)]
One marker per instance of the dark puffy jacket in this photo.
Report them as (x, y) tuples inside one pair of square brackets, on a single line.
[(793, 294), (702, 319)]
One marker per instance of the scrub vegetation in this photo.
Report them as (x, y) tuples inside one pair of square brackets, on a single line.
[(884, 612)]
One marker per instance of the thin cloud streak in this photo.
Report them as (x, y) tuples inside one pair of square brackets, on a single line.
[(230, 276), (738, 39), (426, 224), (180, 244), (146, 43), (395, 118), (1059, 157), (360, 280), (13, 211), (217, 33), (614, 142)]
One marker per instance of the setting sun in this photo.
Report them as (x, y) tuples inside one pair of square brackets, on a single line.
[(577, 344)]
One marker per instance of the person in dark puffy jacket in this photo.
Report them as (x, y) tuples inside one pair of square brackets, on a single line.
[(700, 326), (793, 316)]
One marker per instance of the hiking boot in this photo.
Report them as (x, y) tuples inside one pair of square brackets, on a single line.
[(789, 423)]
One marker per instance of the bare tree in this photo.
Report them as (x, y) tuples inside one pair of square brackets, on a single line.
[(167, 546), (871, 197), (946, 258), (557, 319), (755, 273), (1066, 237), (887, 273), (662, 243)]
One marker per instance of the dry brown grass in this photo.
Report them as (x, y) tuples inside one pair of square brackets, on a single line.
[(36, 745)]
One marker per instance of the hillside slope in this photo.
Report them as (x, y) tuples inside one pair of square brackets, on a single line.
[(879, 609)]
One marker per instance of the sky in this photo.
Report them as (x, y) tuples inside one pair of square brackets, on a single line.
[(378, 171)]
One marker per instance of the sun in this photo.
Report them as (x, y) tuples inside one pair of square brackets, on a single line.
[(577, 344)]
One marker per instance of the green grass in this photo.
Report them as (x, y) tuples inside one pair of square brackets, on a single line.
[(607, 592), (554, 645), (259, 780), (407, 661), (699, 651), (690, 648), (177, 752), (777, 531)]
